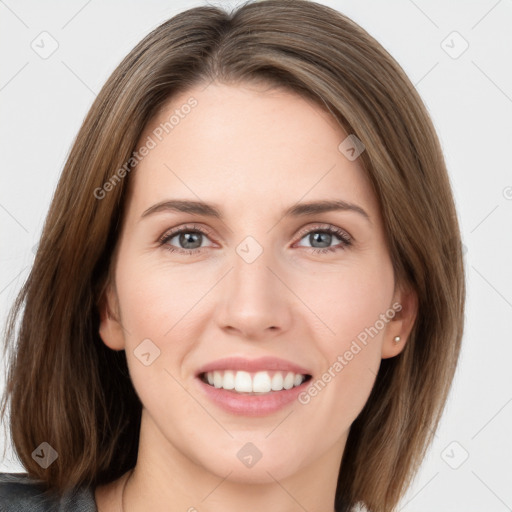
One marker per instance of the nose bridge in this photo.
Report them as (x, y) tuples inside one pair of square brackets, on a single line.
[(254, 298), (251, 275)]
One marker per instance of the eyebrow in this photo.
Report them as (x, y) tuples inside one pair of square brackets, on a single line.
[(297, 210)]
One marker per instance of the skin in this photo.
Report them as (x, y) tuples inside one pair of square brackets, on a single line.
[(253, 151)]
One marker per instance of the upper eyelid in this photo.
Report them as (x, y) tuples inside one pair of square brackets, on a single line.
[(170, 233), (301, 233), (324, 227)]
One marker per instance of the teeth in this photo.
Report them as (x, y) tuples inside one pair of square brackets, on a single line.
[(259, 382), (277, 382), (288, 380), (243, 382), (229, 380)]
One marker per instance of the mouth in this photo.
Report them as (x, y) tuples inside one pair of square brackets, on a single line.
[(252, 387), (258, 383)]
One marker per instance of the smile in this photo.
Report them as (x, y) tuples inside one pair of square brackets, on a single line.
[(254, 387), (258, 383)]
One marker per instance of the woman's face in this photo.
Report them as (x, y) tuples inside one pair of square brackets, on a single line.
[(256, 293)]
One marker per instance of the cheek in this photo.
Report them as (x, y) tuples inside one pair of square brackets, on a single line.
[(157, 310), (354, 308), (156, 307), (351, 299), (156, 299)]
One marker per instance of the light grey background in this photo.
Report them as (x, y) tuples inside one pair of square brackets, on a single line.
[(43, 102)]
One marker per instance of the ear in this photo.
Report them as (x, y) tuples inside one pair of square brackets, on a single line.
[(405, 305), (111, 330)]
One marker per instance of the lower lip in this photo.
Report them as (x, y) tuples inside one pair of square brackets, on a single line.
[(251, 405)]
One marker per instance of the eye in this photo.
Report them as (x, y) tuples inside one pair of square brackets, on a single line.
[(191, 238), (320, 239)]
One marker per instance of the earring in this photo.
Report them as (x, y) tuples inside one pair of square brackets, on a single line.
[(396, 339)]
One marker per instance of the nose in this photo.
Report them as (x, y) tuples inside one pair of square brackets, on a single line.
[(256, 302)]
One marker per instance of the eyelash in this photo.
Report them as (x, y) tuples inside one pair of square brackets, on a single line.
[(346, 240)]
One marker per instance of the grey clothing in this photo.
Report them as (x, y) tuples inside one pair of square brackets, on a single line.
[(19, 493)]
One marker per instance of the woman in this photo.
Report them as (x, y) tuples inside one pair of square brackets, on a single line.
[(184, 343)]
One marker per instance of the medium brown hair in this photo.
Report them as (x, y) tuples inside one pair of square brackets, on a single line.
[(67, 388)]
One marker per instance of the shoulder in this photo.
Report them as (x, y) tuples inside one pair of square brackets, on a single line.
[(20, 493)]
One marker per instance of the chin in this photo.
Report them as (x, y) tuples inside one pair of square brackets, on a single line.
[(257, 462), (261, 473)]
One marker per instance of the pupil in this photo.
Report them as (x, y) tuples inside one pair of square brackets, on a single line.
[(318, 237), (188, 238)]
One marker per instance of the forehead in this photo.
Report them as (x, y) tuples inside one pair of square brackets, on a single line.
[(248, 147)]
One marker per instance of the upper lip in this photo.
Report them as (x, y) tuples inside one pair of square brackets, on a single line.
[(253, 365)]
